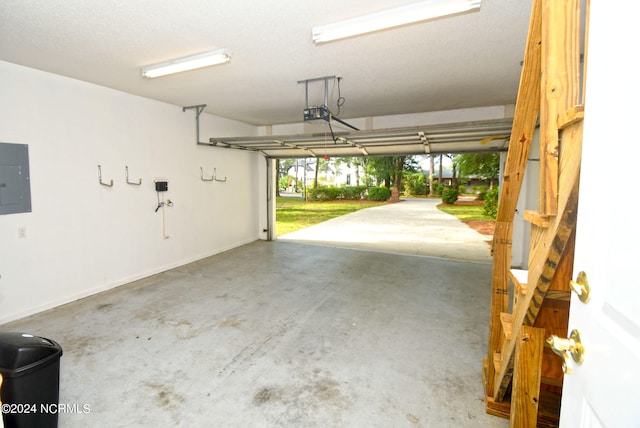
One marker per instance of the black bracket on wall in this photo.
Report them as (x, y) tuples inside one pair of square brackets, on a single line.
[(199, 108)]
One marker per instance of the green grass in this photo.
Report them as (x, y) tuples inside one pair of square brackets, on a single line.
[(294, 213), (465, 212)]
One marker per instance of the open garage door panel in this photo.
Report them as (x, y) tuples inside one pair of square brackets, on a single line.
[(481, 136)]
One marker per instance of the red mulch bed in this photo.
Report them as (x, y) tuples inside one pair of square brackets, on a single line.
[(486, 227)]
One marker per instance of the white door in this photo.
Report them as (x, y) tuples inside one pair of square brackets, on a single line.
[(604, 391)]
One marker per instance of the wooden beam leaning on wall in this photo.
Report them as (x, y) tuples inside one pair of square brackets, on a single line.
[(560, 89), (526, 382), (541, 274), (524, 124), (560, 117)]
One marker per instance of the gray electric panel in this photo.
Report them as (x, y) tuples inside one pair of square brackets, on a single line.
[(15, 190)]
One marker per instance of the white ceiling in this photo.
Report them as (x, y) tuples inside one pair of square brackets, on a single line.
[(464, 61)]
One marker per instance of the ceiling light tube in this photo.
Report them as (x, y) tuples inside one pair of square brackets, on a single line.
[(407, 14), (191, 62)]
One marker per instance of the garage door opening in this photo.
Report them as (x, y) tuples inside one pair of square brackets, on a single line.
[(413, 225)]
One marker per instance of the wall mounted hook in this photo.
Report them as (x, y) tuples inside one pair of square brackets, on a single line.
[(206, 179), (132, 182), (109, 184), (217, 179)]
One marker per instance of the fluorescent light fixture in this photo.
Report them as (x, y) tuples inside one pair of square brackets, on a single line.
[(407, 14), (191, 62)]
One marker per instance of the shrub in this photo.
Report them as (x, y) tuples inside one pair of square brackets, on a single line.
[(353, 192), (450, 195), (323, 192), (332, 192), (439, 189), (415, 188), (379, 194), (480, 191), (287, 181), (414, 184), (491, 202)]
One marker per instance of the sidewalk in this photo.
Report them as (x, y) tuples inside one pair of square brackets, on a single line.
[(413, 226)]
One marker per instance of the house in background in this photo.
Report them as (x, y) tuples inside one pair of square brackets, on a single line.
[(331, 173)]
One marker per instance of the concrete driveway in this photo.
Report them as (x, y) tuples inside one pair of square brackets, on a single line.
[(412, 226)]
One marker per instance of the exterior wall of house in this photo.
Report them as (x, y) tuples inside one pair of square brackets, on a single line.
[(82, 237), (335, 175)]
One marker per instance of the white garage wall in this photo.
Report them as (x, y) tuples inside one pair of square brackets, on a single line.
[(81, 237)]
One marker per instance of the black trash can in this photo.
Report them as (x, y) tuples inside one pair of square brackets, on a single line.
[(30, 367)]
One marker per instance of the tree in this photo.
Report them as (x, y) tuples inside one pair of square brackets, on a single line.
[(454, 168), (484, 165), (317, 171), (282, 168), (432, 190), (390, 169), (322, 165)]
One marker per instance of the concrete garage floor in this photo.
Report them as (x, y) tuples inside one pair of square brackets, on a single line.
[(280, 334)]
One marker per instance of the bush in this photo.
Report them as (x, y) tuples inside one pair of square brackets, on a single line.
[(379, 194), (354, 192), (491, 202), (287, 181), (450, 195), (481, 192), (329, 193), (414, 184), (439, 189), (415, 188)]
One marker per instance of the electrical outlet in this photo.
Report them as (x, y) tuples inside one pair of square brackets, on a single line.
[(22, 232)]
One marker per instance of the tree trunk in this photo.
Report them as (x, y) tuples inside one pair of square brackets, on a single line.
[(315, 179), (431, 178), (277, 177), (454, 180), (397, 179)]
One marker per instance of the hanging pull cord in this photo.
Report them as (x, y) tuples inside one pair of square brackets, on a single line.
[(162, 203)]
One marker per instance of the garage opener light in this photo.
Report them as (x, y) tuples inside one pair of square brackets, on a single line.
[(186, 63), (407, 14)]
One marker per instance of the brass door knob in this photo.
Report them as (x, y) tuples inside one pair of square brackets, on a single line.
[(581, 287), (568, 349)]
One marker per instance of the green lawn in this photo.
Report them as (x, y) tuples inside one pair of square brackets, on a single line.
[(294, 213), (465, 212)]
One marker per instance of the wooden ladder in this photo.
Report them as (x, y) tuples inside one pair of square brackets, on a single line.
[(523, 380)]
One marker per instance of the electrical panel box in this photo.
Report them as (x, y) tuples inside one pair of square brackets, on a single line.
[(15, 188), (315, 113), (162, 186)]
